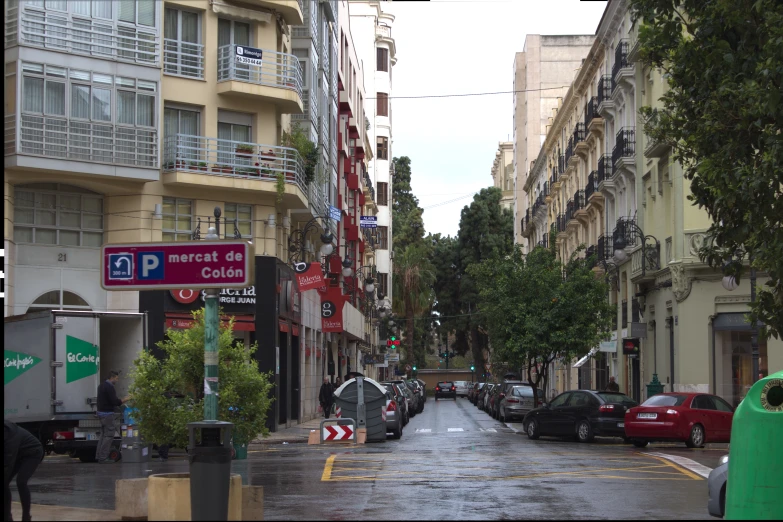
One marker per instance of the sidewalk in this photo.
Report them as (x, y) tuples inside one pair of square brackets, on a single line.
[(44, 512), (298, 433)]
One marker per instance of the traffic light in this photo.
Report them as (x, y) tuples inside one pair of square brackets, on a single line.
[(414, 368), (393, 342), (472, 368)]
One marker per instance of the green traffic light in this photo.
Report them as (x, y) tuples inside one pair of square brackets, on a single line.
[(472, 368), (414, 368)]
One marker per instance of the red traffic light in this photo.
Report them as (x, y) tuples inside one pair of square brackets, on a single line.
[(392, 343)]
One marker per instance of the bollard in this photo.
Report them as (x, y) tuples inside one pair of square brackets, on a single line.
[(210, 469), (754, 490)]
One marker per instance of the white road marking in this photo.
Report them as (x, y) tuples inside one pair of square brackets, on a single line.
[(515, 430), (491, 430), (456, 429), (423, 430), (686, 463)]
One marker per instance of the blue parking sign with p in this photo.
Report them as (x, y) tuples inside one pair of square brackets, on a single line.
[(150, 266)]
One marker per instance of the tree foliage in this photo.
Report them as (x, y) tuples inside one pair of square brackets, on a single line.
[(169, 392), (407, 220), (413, 296), (299, 140), (537, 309), (722, 118)]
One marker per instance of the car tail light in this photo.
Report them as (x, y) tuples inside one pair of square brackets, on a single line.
[(672, 412), (453, 388), (392, 406), (64, 435), (512, 401), (606, 408), (437, 388)]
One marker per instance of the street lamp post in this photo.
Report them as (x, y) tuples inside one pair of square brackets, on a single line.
[(211, 332), (731, 283), (298, 242)]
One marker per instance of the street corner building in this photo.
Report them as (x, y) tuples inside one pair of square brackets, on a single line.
[(587, 174), (148, 121)]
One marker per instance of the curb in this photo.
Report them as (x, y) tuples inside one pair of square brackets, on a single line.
[(268, 442)]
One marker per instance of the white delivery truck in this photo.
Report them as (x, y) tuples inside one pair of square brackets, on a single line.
[(54, 361)]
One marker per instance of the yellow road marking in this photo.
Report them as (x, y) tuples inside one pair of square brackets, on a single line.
[(682, 470), (327, 474)]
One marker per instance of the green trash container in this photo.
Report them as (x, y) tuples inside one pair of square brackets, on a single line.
[(754, 489), (240, 451)]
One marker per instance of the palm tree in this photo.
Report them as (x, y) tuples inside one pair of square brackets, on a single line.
[(412, 280)]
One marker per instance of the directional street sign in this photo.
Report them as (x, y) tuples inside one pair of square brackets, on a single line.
[(338, 432), (197, 264), (368, 222), (335, 213)]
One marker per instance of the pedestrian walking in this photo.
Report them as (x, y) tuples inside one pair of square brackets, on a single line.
[(325, 397), (107, 402), (612, 386), (22, 452), (338, 382)]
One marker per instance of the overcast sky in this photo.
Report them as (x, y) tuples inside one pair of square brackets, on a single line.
[(455, 47)]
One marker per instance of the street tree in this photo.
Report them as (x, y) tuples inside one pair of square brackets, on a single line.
[(413, 277), (537, 309), (407, 220), (721, 116), (169, 391)]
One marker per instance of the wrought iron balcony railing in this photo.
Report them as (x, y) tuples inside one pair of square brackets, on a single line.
[(561, 222), (579, 134), (604, 89), (80, 140), (561, 162), (100, 38), (553, 178), (569, 150), (620, 60), (624, 229), (580, 201), (183, 58), (591, 110), (625, 142), (604, 248), (592, 184), (545, 189), (570, 210), (604, 169), (216, 157), (276, 70)]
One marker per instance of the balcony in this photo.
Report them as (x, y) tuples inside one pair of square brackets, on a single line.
[(603, 248), (544, 242), (183, 59), (645, 262), (99, 38), (580, 147), (655, 149), (605, 171), (291, 10), (309, 27), (43, 142), (569, 153), (211, 162), (605, 102), (580, 203), (592, 184), (622, 69), (561, 165), (623, 151), (310, 109), (590, 256), (561, 223), (593, 121), (278, 79)]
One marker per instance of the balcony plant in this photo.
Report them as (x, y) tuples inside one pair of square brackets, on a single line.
[(244, 150), (280, 186), (297, 139), (222, 169), (198, 165)]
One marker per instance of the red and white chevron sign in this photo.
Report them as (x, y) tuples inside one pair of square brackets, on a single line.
[(338, 432), (338, 412)]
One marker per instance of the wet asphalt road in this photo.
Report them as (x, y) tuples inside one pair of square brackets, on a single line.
[(453, 462)]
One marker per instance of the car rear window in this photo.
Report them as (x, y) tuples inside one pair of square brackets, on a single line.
[(445, 384), (526, 391), (616, 397), (665, 400)]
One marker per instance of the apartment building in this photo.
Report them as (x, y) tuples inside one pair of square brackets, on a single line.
[(620, 195), (542, 73), (371, 28), (503, 173)]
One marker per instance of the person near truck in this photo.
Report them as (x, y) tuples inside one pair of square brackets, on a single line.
[(325, 397), (22, 452), (107, 402)]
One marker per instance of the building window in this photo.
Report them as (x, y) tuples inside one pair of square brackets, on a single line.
[(243, 216), (383, 193), (177, 219), (383, 147), (58, 300), (181, 131), (125, 29), (54, 214), (383, 59), (383, 237), (183, 52), (103, 117), (382, 103), (383, 283)]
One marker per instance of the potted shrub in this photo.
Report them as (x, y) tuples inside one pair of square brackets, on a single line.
[(308, 151), (169, 392), (222, 169), (244, 150)]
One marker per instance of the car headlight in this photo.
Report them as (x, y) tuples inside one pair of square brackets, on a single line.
[(724, 459)]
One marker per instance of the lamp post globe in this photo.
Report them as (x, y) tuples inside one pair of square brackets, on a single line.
[(347, 272), (729, 282), (620, 256), (369, 286)]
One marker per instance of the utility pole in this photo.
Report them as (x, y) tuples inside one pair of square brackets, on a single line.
[(211, 331)]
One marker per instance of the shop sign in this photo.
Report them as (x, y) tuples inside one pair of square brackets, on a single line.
[(631, 346), (309, 276), (227, 295), (332, 301)]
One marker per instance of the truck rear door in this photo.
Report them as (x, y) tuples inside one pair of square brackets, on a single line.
[(27, 370), (77, 356)]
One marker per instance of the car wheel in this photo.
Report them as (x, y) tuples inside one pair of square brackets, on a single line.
[(532, 429), (501, 417), (397, 433), (584, 432), (626, 440), (723, 500), (86, 455), (641, 443), (696, 439)]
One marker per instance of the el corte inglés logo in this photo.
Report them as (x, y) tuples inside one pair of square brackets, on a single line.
[(81, 359), (16, 363)]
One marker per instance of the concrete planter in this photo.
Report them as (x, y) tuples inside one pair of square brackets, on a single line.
[(168, 497)]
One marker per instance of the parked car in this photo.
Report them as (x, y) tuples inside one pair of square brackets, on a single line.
[(412, 398), (474, 391), (445, 389), (463, 387), (393, 410), (517, 401), (694, 418), (486, 392), (716, 488), (417, 389), (580, 413), (424, 389), (402, 401)]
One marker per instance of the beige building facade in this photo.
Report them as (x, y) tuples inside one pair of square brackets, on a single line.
[(503, 173)]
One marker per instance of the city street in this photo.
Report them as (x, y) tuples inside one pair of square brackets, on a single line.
[(453, 462)]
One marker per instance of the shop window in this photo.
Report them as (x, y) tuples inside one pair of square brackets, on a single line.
[(241, 216), (177, 219), (54, 214)]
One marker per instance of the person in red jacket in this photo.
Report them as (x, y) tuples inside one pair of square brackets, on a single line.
[(22, 452)]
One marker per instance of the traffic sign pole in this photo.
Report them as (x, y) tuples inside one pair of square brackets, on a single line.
[(211, 332)]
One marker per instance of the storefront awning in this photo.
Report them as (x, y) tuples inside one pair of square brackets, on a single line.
[(584, 359)]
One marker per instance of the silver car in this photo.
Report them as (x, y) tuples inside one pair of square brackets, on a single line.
[(393, 410), (716, 488), (517, 402)]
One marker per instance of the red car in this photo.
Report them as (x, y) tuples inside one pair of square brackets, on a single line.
[(694, 418)]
